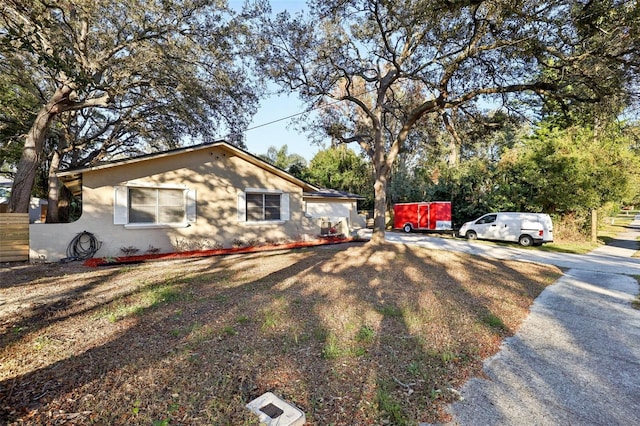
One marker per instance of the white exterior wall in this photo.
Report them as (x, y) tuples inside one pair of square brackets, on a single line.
[(336, 209)]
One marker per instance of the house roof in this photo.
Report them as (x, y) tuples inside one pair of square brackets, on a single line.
[(72, 178), (332, 193)]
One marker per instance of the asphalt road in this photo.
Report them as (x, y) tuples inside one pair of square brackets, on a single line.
[(576, 358)]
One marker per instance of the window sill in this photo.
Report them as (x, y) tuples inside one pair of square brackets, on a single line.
[(155, 225), (263, 222)]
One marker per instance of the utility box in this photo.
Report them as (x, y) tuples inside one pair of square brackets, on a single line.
[(274, 411), (422, 216), (331, 227)]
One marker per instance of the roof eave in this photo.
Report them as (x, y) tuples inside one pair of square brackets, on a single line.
[(333, 196), (73, 175)]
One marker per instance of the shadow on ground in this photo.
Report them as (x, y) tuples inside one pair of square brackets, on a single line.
[(359, 334)]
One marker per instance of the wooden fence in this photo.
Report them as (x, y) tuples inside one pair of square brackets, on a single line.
[(14, 237)]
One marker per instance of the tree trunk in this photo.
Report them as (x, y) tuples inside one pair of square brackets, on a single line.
[(32, 152), (29, 162), (64, 205), (455, 142), (594, 225), (53, 194), (379, 208), (382, 164)]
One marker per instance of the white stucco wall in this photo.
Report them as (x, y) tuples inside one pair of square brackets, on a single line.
[(217, 176)]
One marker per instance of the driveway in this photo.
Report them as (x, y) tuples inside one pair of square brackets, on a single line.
[(576, 358), (611, 259)]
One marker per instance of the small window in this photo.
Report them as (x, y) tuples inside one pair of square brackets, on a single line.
[(156, 206), (263, 207), (487, 219)]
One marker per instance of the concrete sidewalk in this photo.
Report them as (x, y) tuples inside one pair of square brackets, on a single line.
[(576, 358), (625, 244)]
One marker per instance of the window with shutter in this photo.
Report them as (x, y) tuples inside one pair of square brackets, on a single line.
[(120, 205), (148, 206), (257, 205)]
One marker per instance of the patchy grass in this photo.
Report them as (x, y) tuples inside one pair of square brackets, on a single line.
[(493, 321), (613, 226), (350, 334), (575, 247), (558, 246)]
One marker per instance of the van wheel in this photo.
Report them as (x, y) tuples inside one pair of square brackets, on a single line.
[(471, 235), (406, 228), (525, 240)]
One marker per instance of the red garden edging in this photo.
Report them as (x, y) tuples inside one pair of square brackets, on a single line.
[(123, 260)]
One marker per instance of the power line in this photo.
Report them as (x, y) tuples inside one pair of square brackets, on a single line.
[(304, 112), (278, 120)]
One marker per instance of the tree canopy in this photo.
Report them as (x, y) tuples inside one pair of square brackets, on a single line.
[(292, 163), (120, 73), (567, 172), (342, 169), (397, 63), (572, 170)]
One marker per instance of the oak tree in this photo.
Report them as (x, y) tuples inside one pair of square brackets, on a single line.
[(397, 62), (125, 71)]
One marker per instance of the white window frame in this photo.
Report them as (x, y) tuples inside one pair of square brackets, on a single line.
[(242, 206), (122, 207)]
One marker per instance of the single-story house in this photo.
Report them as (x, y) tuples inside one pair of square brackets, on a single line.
[(212, 195)]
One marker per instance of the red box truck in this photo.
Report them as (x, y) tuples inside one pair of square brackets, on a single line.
[(422, 216)]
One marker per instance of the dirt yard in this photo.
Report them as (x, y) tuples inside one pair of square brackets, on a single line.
[(348, 333)]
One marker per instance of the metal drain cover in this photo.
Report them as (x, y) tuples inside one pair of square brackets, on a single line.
[(274, 411)]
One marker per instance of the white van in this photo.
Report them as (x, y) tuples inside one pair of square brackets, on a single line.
[(524, 228)]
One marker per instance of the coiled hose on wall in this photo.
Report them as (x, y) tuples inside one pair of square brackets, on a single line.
[(83, 246)]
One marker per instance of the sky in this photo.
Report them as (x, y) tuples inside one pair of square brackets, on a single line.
[(275, 109), (271, 127)]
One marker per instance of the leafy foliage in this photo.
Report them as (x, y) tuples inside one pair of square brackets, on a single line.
[(574, 170), (18, 104), (342, 169), (166, 68), (565, 172), (380, 68), (125, 76), (292, 163)]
